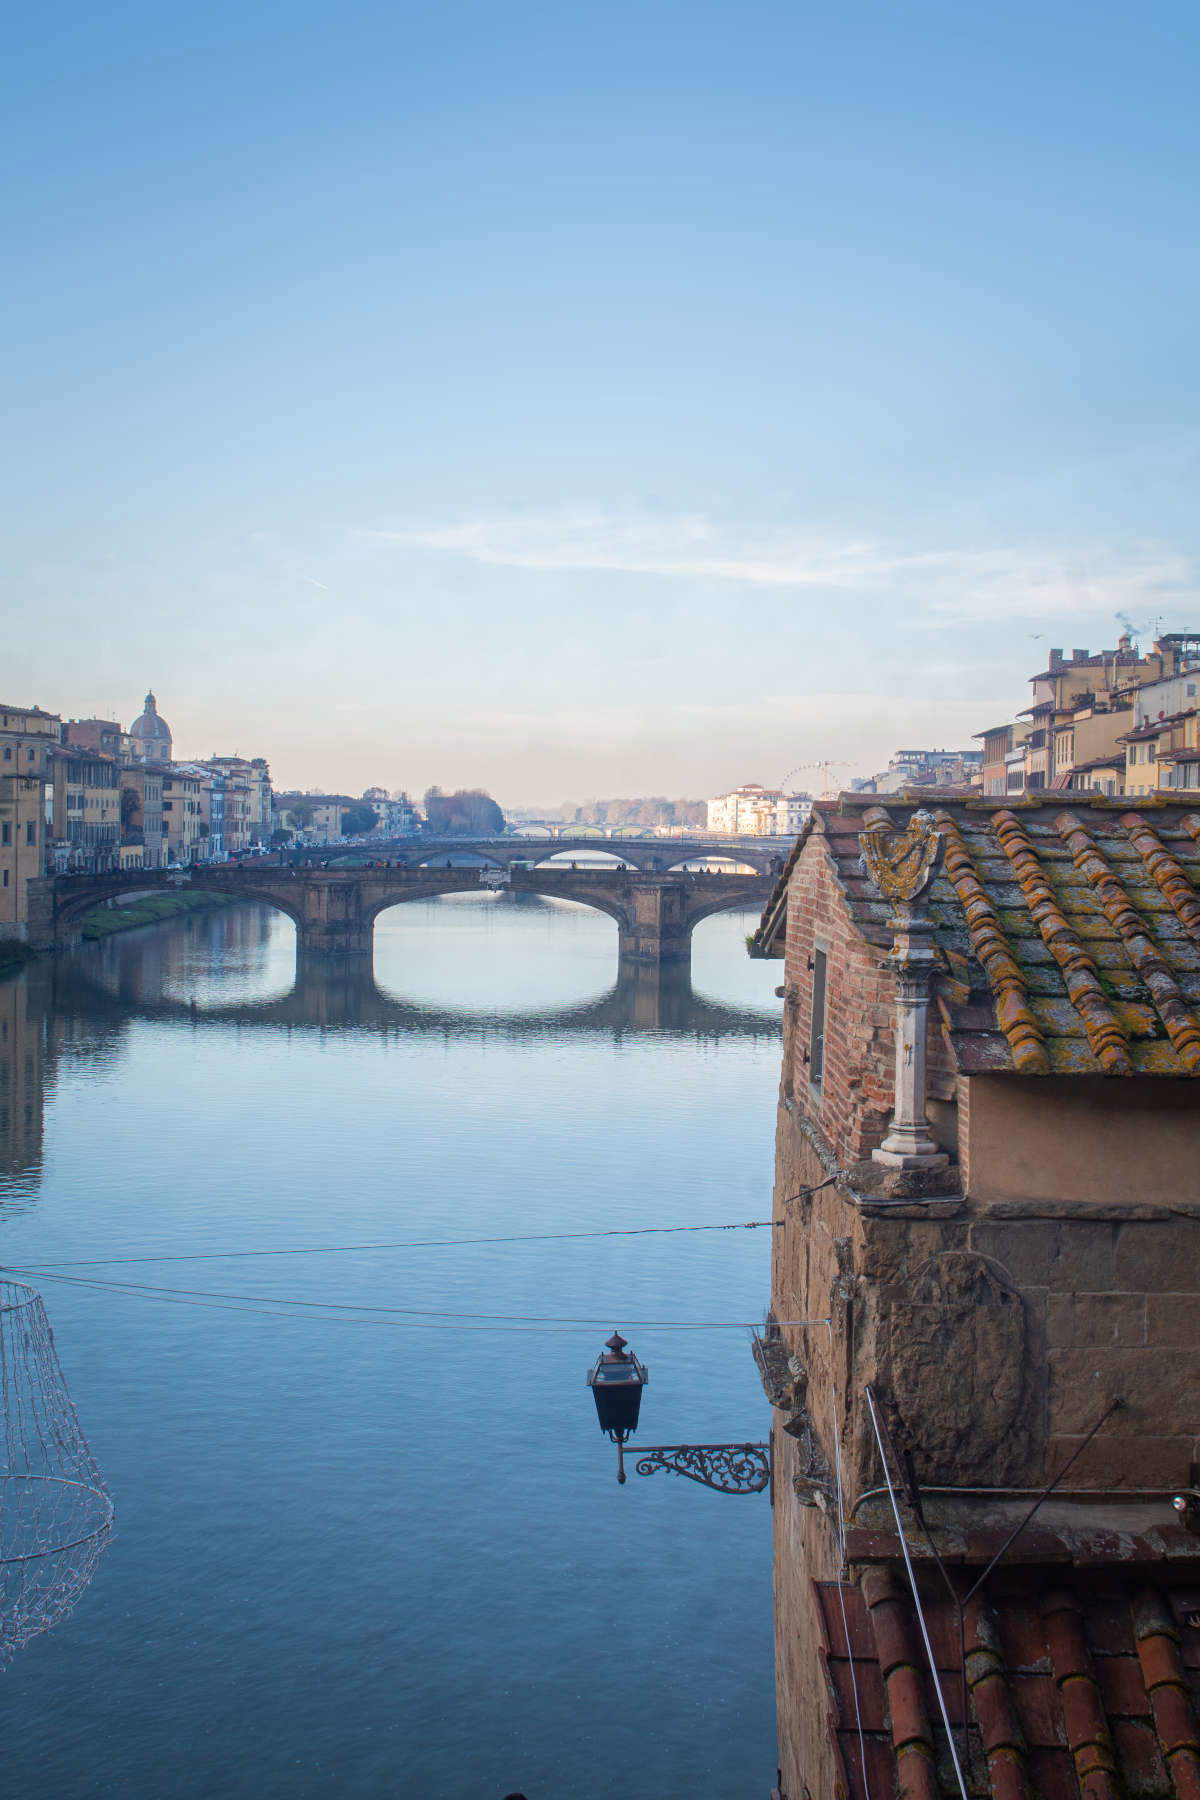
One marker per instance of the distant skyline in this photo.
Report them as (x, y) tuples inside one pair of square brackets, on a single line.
[(593, 402)]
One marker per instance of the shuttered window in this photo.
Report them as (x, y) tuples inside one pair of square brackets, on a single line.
[(816, 1041)]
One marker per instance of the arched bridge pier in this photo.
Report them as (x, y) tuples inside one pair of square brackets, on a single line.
[(334, 910)]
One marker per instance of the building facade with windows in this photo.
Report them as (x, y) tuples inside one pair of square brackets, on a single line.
[(755, 811), (104, 736), (398, 817), (143, 845), (186, 826), (249, 810), (926, 769), (28, 737), (314, 818), (1073, 735), (86, 811)]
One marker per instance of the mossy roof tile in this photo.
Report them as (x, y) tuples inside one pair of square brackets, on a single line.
[(1076, 922)]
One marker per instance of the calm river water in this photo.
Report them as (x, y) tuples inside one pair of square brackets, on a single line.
[(367, 1556)]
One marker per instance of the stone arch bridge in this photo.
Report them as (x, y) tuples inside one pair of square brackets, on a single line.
[(334, 910), (653, 855)]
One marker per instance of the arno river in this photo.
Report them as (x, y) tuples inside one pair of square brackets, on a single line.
[(383, 1556)]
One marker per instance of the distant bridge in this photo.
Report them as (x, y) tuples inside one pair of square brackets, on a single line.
[(334, 909), (653, 854)]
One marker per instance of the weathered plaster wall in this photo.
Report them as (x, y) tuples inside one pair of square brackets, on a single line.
[(1076, 1137)]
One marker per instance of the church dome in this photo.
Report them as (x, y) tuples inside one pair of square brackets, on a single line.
[(151, 729)]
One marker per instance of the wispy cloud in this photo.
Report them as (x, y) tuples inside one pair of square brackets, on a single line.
[(1105, 580), (943, 586), (691, 547)]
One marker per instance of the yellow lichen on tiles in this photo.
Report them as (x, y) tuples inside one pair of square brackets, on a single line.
[(1144, 954), (992, 948), (1104, 1034), (1166, 869)]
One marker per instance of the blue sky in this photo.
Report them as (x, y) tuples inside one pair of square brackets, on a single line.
[(587, 400)]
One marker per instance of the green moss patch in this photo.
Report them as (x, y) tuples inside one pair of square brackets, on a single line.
[(103, 921)]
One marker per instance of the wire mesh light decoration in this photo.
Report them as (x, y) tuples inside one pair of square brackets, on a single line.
[(55, 1515)]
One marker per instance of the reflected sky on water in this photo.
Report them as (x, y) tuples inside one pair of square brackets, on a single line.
[(387, 1556)]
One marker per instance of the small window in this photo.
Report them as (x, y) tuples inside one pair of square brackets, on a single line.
[(816, 1039), (31, 831), (6, 832)]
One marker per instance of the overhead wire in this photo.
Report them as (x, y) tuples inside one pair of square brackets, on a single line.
[(920, 1610), (416, 1318), (526, 1237), (378, 1314), (349, 1306), (531, 1237)]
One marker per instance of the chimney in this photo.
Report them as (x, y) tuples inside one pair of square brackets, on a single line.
[(1056, 657), (1079, 656)]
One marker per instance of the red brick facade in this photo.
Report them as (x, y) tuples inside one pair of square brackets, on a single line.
[(853, 1102)]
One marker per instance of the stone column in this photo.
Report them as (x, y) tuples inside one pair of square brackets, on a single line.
[(332, 921), (656, 931), (900, 864), (908, 1144)]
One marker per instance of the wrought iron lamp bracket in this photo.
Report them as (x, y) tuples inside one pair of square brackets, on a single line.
[(726, 1468)]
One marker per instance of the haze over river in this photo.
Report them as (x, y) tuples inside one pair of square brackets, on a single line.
[(386, 1558)]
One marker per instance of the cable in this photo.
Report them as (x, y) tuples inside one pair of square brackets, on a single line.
[(348, 1307), (531, 1237), (534, 1237), (912, 1582)]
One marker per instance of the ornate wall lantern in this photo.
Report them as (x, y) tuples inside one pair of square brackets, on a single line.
[(617, 1381)]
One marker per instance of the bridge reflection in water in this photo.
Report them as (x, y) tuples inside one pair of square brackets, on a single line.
[(80, 1007), (335, 993)]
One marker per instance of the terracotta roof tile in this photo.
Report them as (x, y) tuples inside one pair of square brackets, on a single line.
[(1069, 937), (1181, 1025), (1078, 1685)]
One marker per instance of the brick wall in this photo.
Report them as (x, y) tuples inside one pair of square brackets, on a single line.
[(806, 1264), (853, 1103)]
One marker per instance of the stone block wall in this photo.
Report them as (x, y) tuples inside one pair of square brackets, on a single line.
[(1000, 1332)]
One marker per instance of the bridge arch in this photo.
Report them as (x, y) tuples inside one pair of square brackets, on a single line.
[(747, 900), (564, 859), (473, 860), (598, 903), (83, 896), (724, 865)]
